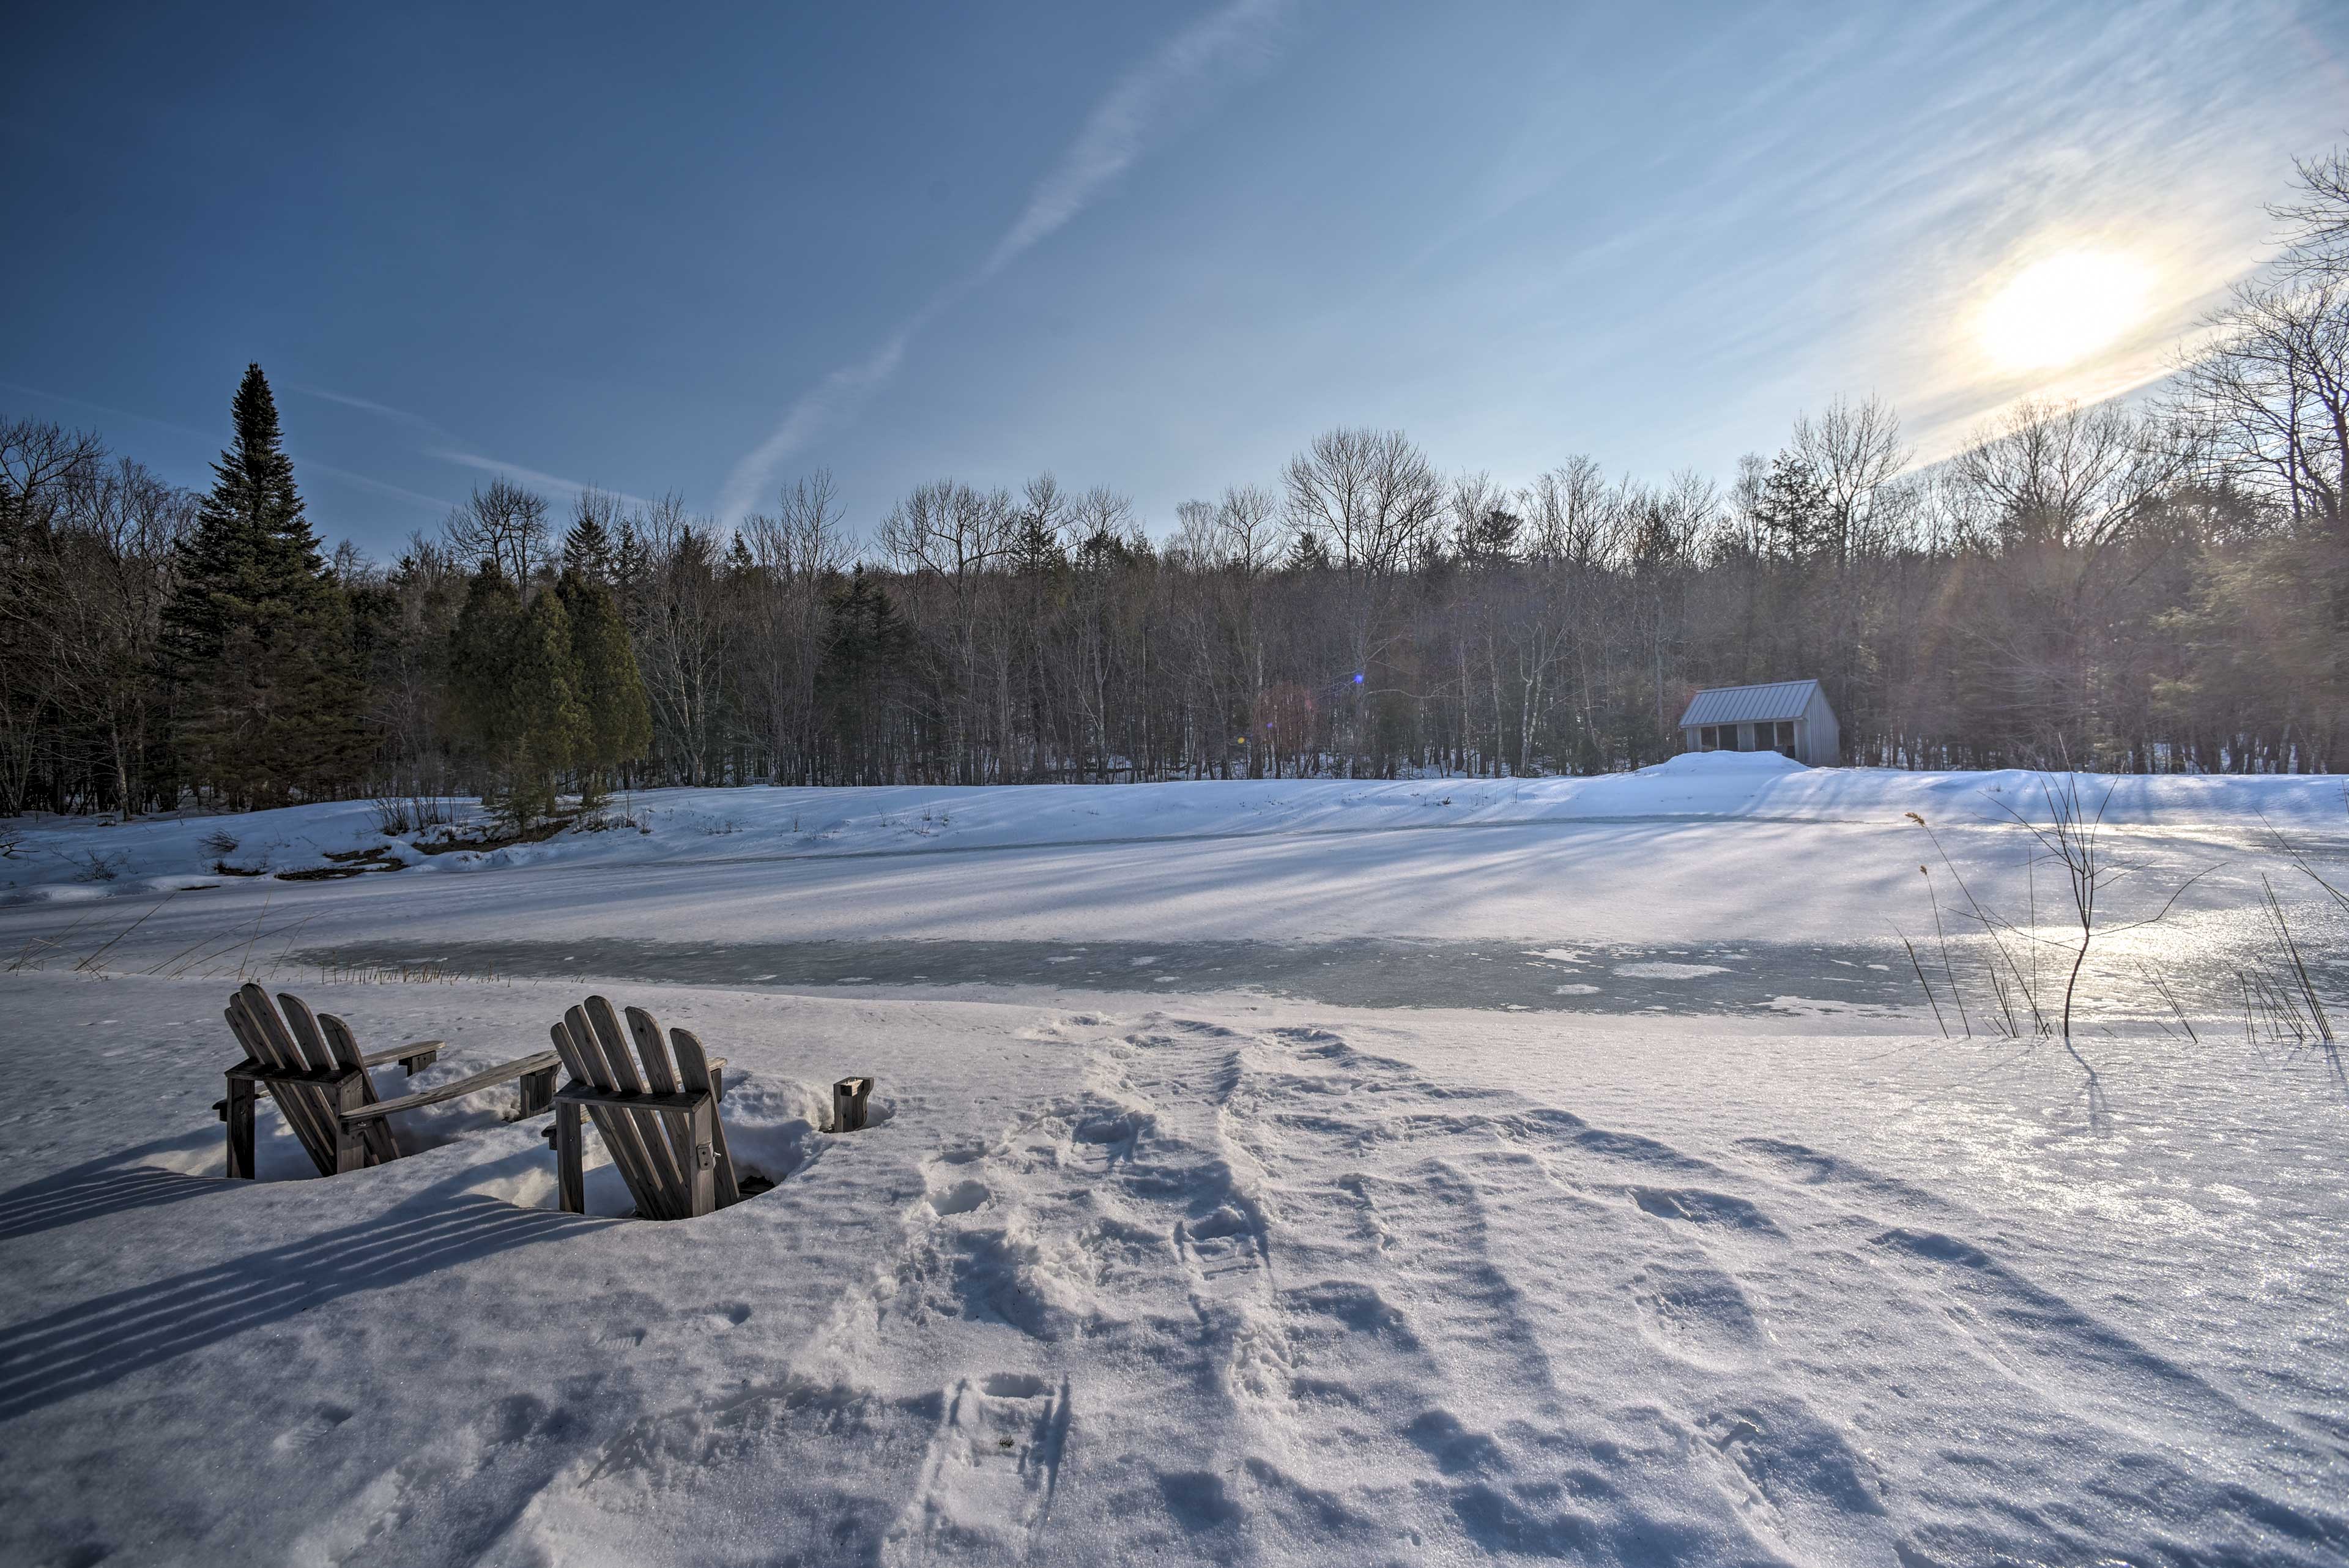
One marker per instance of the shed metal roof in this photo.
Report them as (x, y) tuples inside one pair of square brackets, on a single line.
[(1749, 704)]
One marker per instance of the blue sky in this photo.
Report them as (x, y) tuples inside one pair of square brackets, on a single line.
[(707, 249)]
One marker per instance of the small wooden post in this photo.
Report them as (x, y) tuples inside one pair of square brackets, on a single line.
[(701, 1180), (239, 1117), (848, 1098), (570, 1175), (351, 1145), (537, 1092)]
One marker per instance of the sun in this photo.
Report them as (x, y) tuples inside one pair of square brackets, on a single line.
[(2058, 311)]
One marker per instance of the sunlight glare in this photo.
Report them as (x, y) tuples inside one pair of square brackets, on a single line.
[(2057, 311)]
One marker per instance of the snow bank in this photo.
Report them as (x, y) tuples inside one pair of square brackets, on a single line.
[(1729, 762), (66, 859)]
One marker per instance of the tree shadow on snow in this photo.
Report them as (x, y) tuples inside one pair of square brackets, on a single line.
[(98, 1342)]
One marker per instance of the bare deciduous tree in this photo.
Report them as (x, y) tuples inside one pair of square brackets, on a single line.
[(1853, 452), (501, 522)]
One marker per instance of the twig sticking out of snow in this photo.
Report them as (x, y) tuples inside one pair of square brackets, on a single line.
[(2074, 839), (2297, 967), (92, 959), (1928, 984)]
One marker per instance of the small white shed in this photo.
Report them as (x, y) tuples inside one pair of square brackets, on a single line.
[(1788, 716)]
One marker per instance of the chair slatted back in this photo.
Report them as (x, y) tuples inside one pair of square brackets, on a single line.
[(589, 1058), (298, 1041), (675, 1143), (693, 1068), (654, 1150), (268, 1041)]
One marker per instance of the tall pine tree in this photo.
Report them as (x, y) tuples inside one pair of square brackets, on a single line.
[(480, 664), (547, 729), (587, 548), (257, 639), (521, 698), (611, 692)]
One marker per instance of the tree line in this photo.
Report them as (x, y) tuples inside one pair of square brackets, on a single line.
[(2157, 586)]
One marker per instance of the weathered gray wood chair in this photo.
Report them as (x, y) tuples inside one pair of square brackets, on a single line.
[(658, 1119), (312, 1066)]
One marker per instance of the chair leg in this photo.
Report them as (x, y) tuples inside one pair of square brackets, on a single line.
[(537, 1091), (701, 1181), (848, 1104), (570, 1175), (350, 1143), (240, 1127)]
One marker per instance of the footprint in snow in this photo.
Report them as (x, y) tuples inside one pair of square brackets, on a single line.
[(988, 1478), (1698, 1313), (961, 1198), (1701, 1208)]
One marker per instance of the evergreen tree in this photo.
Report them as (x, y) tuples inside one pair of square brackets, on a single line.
[(587, 548), (480, 664), (1794, 509), (514, 690), (549, 727), (257, 639), (1036, 550), (869, 643), (610, 691), (1307, 553), (1491, 537), (632, 569)]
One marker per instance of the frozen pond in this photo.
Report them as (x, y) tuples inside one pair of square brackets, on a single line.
[(1747, 977), (1350, 973)]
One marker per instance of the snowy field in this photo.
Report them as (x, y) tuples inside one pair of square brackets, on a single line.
[(1261, 1172)]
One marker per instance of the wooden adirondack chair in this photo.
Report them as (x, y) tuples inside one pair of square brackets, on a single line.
[(312, 1066), (659, 1120)]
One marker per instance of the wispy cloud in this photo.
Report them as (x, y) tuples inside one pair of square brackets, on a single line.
[(1179, 80), (515, 470), (1175, 82), (381, 487), (302, 462), (448, 447), (836, 398), (1815, 231), (367, 404), (110, 410)]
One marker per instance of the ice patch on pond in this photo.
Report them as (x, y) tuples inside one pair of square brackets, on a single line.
[(1576, 990), (1662, 970), (1813, 1007)]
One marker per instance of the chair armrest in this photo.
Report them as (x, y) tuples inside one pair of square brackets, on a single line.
[(506, 1072), (425, 1049)]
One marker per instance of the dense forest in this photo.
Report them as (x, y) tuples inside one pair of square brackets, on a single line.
[(2158, 586)]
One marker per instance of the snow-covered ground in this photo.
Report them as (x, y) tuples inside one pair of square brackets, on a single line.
[(74, 858), (1191, 1264)]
